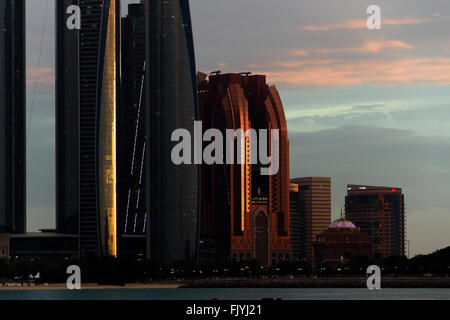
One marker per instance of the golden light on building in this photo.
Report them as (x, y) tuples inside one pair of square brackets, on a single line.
[(107, 140)]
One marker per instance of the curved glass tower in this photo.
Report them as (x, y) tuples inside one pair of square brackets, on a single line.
[(86, 144), (12, 116), (171, 104)]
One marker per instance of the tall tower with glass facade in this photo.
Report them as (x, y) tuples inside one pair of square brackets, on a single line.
[(12, 117), (172, 191), (87, 82), (132, 211)]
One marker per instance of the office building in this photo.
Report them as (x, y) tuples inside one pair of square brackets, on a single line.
[(245, 215), (131, 132), (297, 222), (171, 104), (315, 195), (380, 212), (12, 117), (87, 82)]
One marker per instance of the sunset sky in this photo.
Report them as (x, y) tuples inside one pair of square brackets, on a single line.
[(363, 106)]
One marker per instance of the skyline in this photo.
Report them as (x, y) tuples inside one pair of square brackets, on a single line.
[(394, 141)]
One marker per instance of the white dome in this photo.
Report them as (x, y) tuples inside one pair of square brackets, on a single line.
[(342, 224)]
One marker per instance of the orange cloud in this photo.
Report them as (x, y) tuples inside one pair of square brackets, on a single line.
[(371, 46), (300, 52), (41, 75), (361, 24), (418, 71), (297, 64)]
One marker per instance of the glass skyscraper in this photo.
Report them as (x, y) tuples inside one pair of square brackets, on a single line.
[(171, 104), (87, 82), (12, 116), (131, 196)]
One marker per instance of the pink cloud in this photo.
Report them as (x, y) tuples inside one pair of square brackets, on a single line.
[(41, 75), (371, 46), (415, 71), (297, 64), (361, 24), (300, 52)]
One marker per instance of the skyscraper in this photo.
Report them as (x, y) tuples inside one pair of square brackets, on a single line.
[(67, 135), (380, 212), (297, 221), (245, 214), (12, 117), (87, 80), (315, 201), (131, 136), (172, 191)]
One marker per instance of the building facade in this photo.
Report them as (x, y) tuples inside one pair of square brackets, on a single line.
[(172, 191), (245, 215), (131, 136), (315, 208), (46, 247), (87, 83), (4, 246), (297, 221), (12, 117), (380, 212)]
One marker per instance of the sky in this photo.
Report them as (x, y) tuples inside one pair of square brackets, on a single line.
[(364, 106)]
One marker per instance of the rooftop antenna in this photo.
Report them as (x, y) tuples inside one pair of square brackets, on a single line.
[(245, 73)]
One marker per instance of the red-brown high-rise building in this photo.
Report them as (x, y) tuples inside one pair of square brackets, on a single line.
[(380, 212), (244, 215)]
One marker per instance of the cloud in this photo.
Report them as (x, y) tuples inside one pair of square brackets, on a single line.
[(370, 46), (353, 134), (361, 24), (300, 52), (321, 73), (425, 119), (300, 63), (370, 107)]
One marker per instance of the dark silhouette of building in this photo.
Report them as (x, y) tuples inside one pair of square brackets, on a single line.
[(4, 246), (297, 221), (380, 212), (67, 91), (315, 208), (337, 245), (173, 191), (47, 247), (87, 83), (131, 133), (12, 117), (245, 215)]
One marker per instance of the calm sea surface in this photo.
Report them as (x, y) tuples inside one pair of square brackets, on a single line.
[(227, 294)]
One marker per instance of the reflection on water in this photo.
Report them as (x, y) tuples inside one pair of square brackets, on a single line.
[(227, 294)]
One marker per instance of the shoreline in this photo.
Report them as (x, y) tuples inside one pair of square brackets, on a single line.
[(305, 283), (94, 286), (330, 283)]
